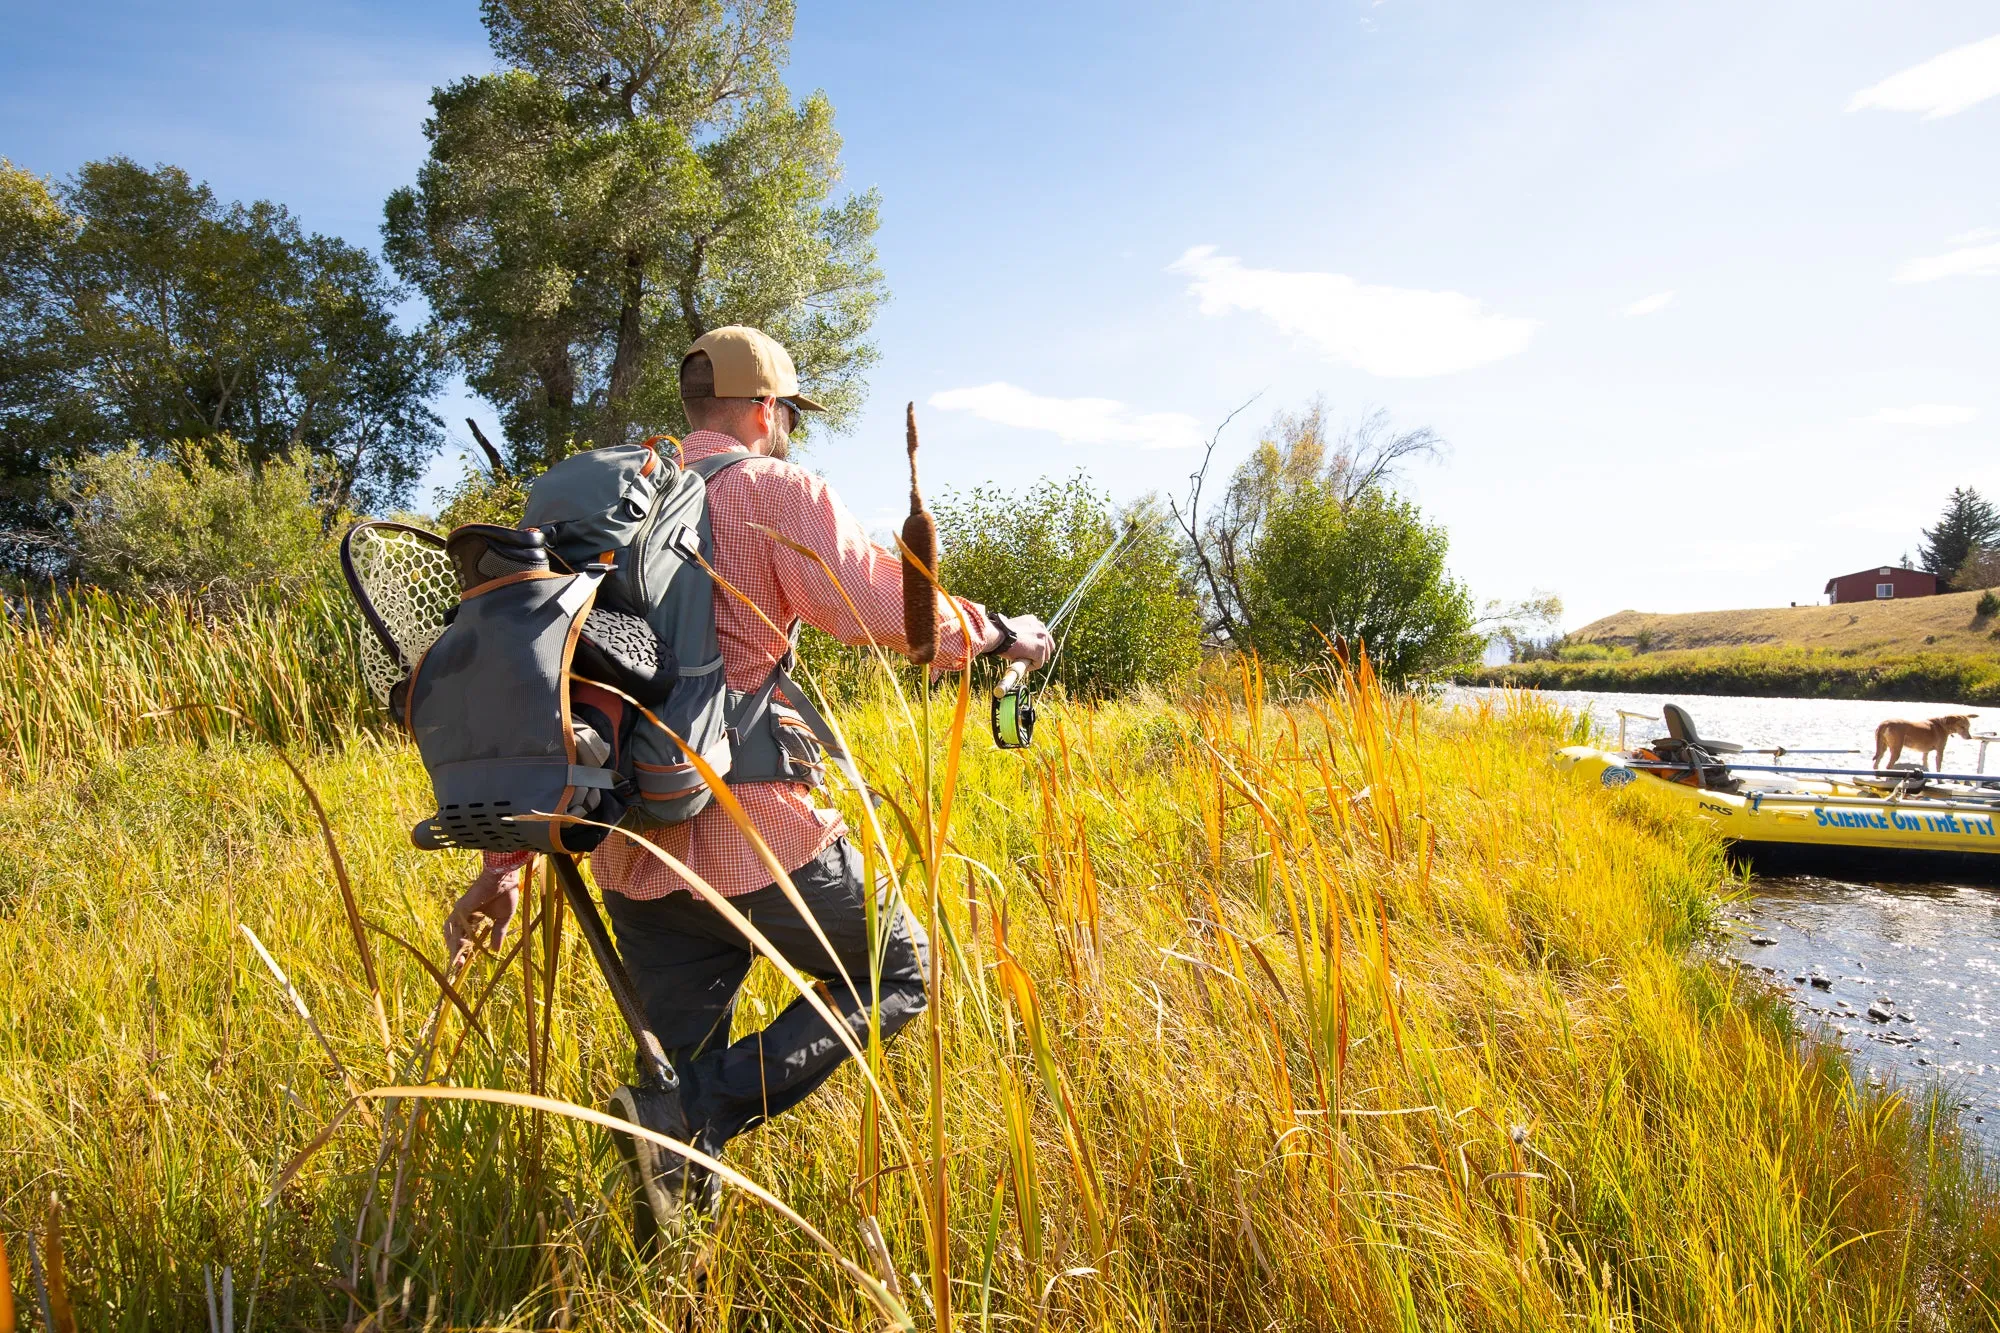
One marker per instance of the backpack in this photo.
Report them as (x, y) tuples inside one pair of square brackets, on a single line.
[(606, 583)]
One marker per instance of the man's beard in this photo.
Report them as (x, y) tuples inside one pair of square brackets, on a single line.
[(778, 444)]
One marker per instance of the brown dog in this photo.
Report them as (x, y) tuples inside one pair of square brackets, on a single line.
[(1898, 733)]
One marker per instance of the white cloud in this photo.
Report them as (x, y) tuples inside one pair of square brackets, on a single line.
[(1650, 305), (1925, 414), (1942, 86), (1395, 332), (1968, 261), (1072, 420)]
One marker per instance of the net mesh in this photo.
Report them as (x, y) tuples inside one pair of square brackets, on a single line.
[(408, 579)]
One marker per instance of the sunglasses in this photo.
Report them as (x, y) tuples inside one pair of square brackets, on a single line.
[(789, 406)]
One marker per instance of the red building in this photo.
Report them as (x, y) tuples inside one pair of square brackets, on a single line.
[(1881, 583)]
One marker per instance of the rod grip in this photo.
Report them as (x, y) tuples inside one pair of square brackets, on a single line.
[(1017, 671)]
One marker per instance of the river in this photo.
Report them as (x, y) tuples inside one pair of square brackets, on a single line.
[(1927, 955)]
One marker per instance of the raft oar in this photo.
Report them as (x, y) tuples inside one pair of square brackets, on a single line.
[(1781, 751), (1904, 774)]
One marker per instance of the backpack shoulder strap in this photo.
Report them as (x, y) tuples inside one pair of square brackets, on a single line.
[(707, 468), (757, 758)]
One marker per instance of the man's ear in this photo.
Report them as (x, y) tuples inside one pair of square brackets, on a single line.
[(763, 416)]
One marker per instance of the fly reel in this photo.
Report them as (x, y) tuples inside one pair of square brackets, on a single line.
[(1014, 709), (1013, 699)]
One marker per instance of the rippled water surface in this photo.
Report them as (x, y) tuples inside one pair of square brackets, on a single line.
[(1906, 975)]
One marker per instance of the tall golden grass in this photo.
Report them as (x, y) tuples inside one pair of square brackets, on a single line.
[(1342, 1011), (83, 673)]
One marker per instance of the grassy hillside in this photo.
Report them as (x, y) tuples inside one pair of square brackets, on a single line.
[(1921, 649), (1948, 623), (1343, 1014)]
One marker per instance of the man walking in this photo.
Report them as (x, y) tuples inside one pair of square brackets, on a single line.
[(741, 392)]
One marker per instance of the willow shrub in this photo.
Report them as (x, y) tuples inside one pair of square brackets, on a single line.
[(202, 520), (1022, 552), (1369, 569)]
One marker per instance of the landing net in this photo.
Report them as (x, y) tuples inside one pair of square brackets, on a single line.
[(404, 583)]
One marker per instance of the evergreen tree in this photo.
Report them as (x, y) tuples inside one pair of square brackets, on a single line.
[(1969, 522), (634, 176)]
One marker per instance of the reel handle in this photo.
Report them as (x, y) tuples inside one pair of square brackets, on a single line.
[(1013, 709), (1017, 671)]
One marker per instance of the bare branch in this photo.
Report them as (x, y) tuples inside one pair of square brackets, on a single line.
[(493, 459), (1190, 523), (1371, 452)]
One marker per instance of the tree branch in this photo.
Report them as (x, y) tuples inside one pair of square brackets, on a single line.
[(493, 460), (1190, 523)]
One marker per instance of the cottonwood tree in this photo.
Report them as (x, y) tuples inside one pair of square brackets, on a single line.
[(1969, 522), (136, 307), (1297, 452), (636, 175)]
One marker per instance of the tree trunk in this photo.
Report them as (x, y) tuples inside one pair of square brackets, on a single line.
[(349, 475), (631, 334), (299, 427), (689, 284), (558, 376), (493, 458)]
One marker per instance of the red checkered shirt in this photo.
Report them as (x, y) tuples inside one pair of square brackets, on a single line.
[(747, 503)]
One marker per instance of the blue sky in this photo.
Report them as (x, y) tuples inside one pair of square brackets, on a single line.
[(1705, 296)]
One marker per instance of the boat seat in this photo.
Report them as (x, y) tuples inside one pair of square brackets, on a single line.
[(1681, 728), (1683, 745)]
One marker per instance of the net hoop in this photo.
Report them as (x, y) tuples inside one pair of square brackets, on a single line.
[(403, 584)]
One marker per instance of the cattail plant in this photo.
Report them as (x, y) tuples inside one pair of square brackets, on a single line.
[(919, 548)]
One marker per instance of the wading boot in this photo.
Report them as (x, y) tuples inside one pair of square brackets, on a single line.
[(670, 1191)]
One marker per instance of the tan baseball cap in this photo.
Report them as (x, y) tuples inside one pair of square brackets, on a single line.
[(751, 364)]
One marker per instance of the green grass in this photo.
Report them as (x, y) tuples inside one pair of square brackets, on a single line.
[(1923, 677), (1348, 1013), (84, 675)]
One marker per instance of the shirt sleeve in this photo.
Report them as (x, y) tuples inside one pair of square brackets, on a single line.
[(805, 510)]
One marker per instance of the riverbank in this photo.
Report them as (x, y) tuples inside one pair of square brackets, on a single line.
[(1766, 672), (1352, 1013)]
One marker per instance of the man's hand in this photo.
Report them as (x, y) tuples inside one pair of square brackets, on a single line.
[(1032, 644), (494, 894)]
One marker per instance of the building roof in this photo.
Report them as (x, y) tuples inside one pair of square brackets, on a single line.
[(1874, 570)]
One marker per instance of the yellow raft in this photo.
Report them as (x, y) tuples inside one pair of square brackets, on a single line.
[(1816, 813), (1899, 819)]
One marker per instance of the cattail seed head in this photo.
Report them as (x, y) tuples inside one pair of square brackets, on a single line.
[(920, 542)]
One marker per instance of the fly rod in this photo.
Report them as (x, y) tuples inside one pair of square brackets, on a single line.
[(1013, 698)]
